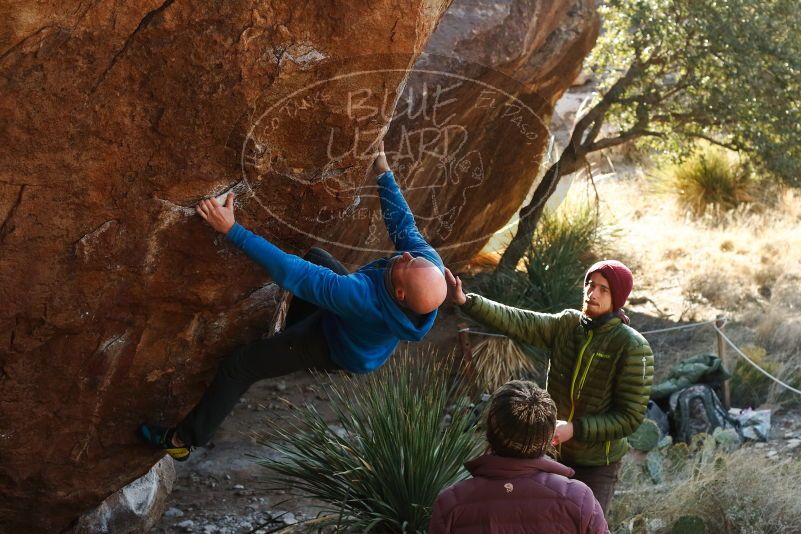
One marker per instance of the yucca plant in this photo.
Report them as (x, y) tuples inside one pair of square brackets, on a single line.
[(394, 450), (563, 247), (508, 286)]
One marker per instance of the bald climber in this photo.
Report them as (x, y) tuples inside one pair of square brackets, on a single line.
[(338, 321)]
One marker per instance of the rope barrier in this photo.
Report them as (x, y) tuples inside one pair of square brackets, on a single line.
[(754, 364), (478, 333), (680, 327)]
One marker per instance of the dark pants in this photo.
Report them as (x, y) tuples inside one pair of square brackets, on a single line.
[(601, 481), (300, 346)]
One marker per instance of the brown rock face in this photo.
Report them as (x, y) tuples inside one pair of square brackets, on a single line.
[(476, 112), (116, 301)]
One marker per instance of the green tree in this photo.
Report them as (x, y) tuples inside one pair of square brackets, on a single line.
[(672, 71)]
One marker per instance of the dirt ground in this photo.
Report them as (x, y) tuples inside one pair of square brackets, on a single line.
[(219, 489)]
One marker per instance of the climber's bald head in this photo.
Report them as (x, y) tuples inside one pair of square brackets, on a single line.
[(418, 283)]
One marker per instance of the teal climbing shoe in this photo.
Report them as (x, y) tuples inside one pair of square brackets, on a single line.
[(162, 438)]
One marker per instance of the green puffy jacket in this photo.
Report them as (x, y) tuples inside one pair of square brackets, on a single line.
[(600, 380)]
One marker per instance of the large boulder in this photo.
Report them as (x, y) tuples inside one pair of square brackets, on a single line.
[(115, 118), (117, 301), (473, 124)]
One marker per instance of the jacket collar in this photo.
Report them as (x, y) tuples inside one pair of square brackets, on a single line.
[(601, 324), (492, 466)]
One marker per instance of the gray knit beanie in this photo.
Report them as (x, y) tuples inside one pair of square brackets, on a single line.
[(521, 420)]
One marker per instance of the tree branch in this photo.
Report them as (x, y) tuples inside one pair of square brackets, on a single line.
[(600, 109), (730, 146), (595, 130), (609, 142)]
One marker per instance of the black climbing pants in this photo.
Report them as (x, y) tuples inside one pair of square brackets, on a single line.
[(301, 346)]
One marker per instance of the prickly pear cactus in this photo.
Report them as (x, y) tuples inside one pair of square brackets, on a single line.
[(654, 464), (677, 456), (728, 439), (646, 437)]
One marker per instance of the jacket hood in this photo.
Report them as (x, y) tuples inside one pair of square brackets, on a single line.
[(492, 466), (399, 323)]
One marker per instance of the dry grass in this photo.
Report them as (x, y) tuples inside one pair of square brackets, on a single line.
[(745, 263), (780, 328), (741, 492), (749, 387), (721, 261), (498, 360), (712, 180)]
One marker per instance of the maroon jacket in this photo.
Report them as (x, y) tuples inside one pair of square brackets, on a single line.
[(513, 495)]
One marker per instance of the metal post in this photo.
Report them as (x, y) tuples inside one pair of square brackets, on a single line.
[(720, 322)]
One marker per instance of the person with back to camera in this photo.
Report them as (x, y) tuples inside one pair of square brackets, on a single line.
[(515, 488)]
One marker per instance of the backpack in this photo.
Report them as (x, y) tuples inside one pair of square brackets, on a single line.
[(698, 409), (655, 414)]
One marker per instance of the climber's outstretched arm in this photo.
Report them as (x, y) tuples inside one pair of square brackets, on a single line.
[(398, 217), (344, 295)]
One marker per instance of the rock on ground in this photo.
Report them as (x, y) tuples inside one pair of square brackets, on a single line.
[(134, 508)]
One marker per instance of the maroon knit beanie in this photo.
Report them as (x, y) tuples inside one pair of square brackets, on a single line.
[(521, 420), (619, 278)]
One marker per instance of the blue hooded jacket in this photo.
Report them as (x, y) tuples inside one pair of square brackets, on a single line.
[(362, 322)]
